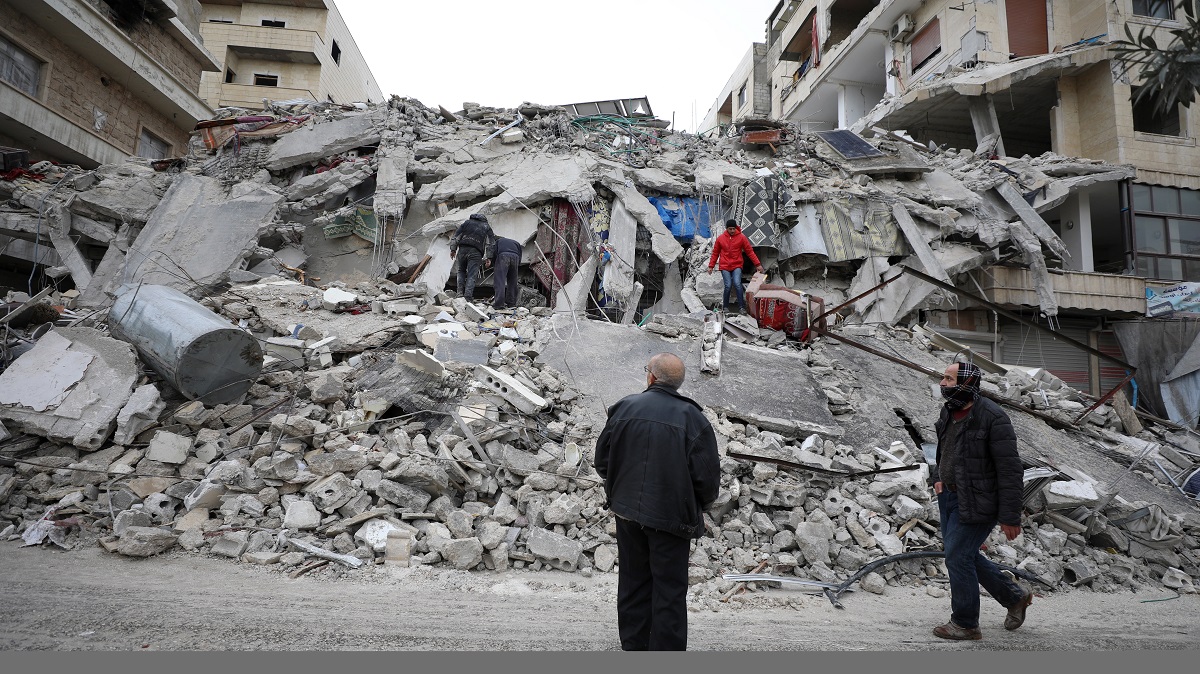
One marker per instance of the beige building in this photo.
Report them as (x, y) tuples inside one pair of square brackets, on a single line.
[(90, 82), (1014, 77), (282, 50)]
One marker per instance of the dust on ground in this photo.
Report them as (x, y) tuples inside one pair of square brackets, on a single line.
[(88, 599)]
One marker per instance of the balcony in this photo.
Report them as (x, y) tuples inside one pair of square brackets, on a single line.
[(251, 96), (266, 43), (1083, 291)]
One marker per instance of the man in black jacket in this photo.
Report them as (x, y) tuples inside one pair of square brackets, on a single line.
[(658, 457), (477, 242), (979, 483)]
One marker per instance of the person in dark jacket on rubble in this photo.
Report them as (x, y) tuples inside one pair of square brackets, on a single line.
[(508, 262), (979, 483), (477, 242), (658, 457), (727, 252)]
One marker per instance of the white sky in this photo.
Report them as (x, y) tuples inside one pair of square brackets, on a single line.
[(678, 53)]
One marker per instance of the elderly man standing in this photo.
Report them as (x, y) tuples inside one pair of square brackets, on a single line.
[(979, 483), (658, 457)]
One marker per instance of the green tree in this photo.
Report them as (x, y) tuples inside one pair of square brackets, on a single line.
[(1171, 73)]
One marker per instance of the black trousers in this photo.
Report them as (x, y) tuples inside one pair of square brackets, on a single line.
[(651, 588), (505, 281), (469, 262)]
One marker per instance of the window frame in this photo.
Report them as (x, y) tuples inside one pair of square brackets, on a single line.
[(265, 76), (742, 96), (1170, 217), (41, 76), (143, 130), (335, 51), (1147, 120), (934, 24), (273, 23), (1151, 6)]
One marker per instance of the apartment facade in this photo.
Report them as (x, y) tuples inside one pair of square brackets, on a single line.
[(90, 82), (1015, 78), (747, 94), (282, 50)]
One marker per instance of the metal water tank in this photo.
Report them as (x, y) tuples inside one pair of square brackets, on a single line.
[(199, 353)]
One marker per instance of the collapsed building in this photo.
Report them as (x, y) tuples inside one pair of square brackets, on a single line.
[(258, 351)]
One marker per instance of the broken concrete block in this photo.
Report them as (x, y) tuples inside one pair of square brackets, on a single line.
[(462, 553), (167, 447), (408, 499), (374, 534), (145, 486), (131, 518), (301, 515), (561, 551), (262, 557), (145, 541), (331, 492), (190, 520), (423, 473), (341, 461), (139, 413), (231, 544), (280, 465), (497, 558), (604, 557), (564, 510), (207, 494), (510, 389), (313, 142), (69, 387), (813, 542), (336, 298), (1069, 494), (455, 349), (1176, 579)]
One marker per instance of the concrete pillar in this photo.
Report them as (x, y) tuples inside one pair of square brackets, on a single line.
[(1075, 224), (983, 118)]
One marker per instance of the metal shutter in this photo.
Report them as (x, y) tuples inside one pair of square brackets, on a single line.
[(926, 42), (1110, 373), (1023, 345), (1027, 29)]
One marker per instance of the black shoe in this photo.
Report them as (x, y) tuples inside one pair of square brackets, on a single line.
[(1016, 612)]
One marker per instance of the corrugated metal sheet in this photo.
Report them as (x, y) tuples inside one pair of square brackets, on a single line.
[(1023, 345), (1013, 286)]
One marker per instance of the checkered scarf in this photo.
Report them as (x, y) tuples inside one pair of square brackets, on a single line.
[(966, 389)]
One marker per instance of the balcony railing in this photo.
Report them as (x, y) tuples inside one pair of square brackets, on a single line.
[(1013, 286), (267, 43)]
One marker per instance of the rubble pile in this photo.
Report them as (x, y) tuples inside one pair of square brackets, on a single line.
[(382, 407)]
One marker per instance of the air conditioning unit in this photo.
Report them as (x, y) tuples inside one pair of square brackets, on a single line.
[(901, 28)]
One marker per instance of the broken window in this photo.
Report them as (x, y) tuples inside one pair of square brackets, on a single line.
[(742, 96), (18, 67), (1166, 227), (151, 146), (1155, 9), (274, 24), (844, 17), (230, 76), (926, 44), (261, 80), (1147, 118), (336, 53)]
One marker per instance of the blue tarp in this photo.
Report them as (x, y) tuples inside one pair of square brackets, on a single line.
[(685, 217)]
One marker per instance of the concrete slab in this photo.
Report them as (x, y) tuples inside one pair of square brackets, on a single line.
[(196, 214), (119, 198), (86, 415), (622, 239), (319, 141), (391, 182), (662, 242), (606, 360), (573, 297)]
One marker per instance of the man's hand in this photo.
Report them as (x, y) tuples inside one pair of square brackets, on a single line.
[(710, 269), (938, 487), (453, 253), (759, 269), (1010, 530)]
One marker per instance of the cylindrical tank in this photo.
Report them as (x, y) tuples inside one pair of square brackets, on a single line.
[(199, 353)]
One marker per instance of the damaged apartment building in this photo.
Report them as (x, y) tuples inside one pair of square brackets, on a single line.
[(1018, 79), (254, 346)]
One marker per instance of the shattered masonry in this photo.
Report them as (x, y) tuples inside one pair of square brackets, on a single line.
[(381, 402)]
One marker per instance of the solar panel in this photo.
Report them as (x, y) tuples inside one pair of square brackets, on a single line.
[(849, 144)]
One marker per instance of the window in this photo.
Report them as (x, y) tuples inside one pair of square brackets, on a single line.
[(19, 68), (1155, 9), (1149, 120), (151, 146), (266, 80), (220, 21), (230, 76), (336, 52), (742, 95), (274, 24), (926, 44), (1166, 232)]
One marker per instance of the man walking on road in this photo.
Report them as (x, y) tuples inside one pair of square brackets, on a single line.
[(728, 249), (979, 482), (658, 458), (477, 242), (508, 260)]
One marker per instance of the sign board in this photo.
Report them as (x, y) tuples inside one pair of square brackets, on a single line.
[(1183, 298)]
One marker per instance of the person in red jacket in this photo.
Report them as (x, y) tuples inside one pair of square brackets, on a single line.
[(728, 248)]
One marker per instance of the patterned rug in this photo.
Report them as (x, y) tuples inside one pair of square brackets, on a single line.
[(875, 236)]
